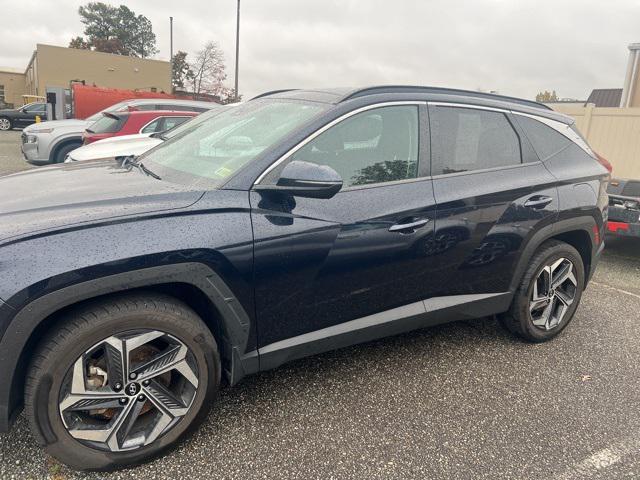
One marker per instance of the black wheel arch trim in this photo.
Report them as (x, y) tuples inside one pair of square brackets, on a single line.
[(235, 321), (61, 143), (585, 223)]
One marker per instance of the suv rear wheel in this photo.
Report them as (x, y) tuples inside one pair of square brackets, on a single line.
[(121, 380), (549, 293)]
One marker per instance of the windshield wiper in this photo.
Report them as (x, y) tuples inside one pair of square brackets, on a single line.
[(147, 171), (130, 161)]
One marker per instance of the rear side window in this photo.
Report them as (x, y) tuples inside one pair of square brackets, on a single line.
[(170, 122), (108, 124), (467, 139), (544, 139)]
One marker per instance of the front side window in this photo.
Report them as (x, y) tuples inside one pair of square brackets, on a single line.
[(36, 108), (211, 151), (467, 139), (375, 146)]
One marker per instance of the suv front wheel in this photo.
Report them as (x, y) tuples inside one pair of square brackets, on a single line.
[(549, 293), (119, 381)]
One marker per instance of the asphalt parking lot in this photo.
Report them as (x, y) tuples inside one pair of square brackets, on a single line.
[(465, 400)]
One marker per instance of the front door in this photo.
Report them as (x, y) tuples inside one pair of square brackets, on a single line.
[(322, 262)]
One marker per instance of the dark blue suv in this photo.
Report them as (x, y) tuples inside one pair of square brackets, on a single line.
[(297, 222)]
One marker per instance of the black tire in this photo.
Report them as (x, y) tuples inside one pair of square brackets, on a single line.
[(4, 121), (62, 152), (93, 323), (518, 318)]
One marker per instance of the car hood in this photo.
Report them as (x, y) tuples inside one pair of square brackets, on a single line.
[(116, 147), (51, 198), (71, 124), (8, 110)]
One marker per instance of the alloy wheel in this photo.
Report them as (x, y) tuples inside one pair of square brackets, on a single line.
[(553, 293), (128, 390), (5, 124)]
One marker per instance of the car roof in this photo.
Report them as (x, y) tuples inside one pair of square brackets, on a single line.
[(171, 101), (152, 113), (336, 96)]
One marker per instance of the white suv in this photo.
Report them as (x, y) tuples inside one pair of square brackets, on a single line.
[(50, 142)]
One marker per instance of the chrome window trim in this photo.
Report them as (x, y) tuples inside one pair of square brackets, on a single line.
[(562, 129), (323, 129)]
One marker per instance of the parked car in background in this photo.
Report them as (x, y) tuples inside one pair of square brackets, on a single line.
[(134, 145), (23, 116), (115, 124), (50, 142), (624, 207), (295, 223)]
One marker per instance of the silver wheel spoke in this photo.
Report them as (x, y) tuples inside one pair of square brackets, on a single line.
[(164, 400), (565, 299), (114, 349), (543, 320), (126, 421), (162, 363), (90, 402)]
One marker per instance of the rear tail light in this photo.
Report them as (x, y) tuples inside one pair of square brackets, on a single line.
[(604, 162)]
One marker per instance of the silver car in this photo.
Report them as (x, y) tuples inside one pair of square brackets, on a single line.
[(50, 142)]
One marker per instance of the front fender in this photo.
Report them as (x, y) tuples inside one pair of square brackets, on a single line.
[(18, 332)]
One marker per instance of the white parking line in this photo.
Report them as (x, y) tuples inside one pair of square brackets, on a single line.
[(615, 288), (602, 459)]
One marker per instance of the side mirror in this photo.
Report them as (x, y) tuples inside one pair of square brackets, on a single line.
[(304, 179)]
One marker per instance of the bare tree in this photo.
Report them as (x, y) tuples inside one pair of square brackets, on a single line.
[(208, 72)]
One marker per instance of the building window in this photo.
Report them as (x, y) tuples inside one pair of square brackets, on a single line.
[(2, 94)]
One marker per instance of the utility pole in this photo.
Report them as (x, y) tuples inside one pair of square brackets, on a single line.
[(171, 54), (237, 48)]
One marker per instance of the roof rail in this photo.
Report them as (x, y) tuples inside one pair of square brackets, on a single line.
[(445, 91), (273, 92)]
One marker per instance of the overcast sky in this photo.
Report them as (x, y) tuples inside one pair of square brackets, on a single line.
[(515, 47)]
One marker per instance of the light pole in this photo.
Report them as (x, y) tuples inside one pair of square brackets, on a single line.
[(171, 54), (237, 48)]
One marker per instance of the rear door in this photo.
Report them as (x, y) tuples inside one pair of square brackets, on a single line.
[(322, 262), (492, 193)]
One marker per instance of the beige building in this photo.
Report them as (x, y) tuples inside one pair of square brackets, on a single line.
[(52, 66), (12, 86), (631, 87)]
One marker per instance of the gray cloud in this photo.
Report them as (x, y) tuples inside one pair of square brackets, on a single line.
[(517, 48)]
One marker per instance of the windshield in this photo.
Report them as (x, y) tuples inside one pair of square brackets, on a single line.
[(189, 124), (211, 151)]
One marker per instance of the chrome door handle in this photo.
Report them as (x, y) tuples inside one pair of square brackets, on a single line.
[(402, 227), (538, 201)]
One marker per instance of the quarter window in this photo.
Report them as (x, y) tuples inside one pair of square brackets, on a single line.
[(378, 145), (544, 139), (466, 139)]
